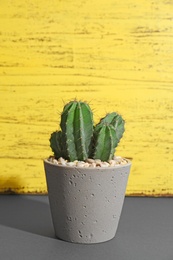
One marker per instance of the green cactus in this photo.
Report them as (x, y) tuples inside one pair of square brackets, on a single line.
[(78, 139), (56, 144), (105, 141), (116, 121), (77, 131)]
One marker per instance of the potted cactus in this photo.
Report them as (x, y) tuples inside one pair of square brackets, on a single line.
[(86, 181)]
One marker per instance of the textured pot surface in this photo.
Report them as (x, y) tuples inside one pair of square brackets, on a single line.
[(86, 203)]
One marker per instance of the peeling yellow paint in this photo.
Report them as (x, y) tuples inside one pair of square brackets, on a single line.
[(116, 55)]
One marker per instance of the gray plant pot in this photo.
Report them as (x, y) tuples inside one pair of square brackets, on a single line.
[(86, 203)]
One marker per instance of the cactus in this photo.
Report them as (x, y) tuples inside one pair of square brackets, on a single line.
[(78, 139), (77, 131), (105, 139), (56, 144), (107, 135), (116, 121)]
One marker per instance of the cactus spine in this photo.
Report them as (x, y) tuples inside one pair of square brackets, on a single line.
[(78, 139)]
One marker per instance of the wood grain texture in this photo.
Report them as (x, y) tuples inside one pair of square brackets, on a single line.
[(116, 55)]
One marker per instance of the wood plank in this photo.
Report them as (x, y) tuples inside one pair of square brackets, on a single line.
[(117, 56)]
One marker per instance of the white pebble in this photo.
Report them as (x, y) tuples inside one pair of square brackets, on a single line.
[(117, 161), (55, 161), (104, 164), (75, 162), (86, 165), (89, 160), (112, 163), (97, 161), (62, 161), (123, 161), (92, 164), (70, 163), (50, 159), (80, 164)]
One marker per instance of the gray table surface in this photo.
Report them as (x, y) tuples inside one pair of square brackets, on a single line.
[(145, 232)]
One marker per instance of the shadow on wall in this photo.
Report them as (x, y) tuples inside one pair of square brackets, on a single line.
[(10, 185), (26, 214)]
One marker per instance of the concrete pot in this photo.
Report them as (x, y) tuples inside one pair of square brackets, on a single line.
[(86, 203)]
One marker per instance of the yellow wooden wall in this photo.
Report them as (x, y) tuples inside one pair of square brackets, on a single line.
[(117, 55)]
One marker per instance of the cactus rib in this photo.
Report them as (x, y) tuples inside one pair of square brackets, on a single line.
[(83, 130), (67, 120)]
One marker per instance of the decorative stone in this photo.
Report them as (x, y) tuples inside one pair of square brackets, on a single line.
[(112, 163), (80, 164), (104, 164), (70, 164), (117, 161), (86, 164), (98, 161), (89, 160), (62, 161), (92, 164), (55, 161)]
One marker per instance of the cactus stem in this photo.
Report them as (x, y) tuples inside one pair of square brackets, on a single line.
[(76, 139)]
